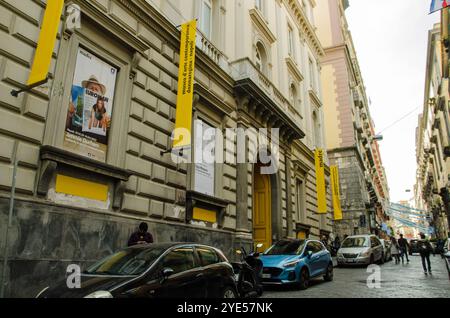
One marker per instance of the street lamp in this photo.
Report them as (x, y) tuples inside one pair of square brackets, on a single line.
[(378, 138)]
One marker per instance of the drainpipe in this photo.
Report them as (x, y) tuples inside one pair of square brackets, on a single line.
[(3, 282)]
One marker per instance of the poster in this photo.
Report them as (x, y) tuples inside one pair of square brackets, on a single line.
[(90, 107), (205, 141)]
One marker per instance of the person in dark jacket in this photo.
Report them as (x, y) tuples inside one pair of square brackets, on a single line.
[(142, 236), (404, 248), (425, 249)]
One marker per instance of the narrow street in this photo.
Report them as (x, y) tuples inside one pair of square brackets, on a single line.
[(397, 281)]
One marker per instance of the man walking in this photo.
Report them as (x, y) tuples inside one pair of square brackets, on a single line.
[(141, 236), (404, 248), (425, 249)]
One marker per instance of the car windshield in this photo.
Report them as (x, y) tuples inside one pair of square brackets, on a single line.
[(286, 248), (133, 261), (356, 242)]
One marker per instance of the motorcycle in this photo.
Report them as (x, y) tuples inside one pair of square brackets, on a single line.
[(248, 273)]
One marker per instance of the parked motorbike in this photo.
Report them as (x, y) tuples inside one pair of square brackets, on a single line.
[(248, 273)]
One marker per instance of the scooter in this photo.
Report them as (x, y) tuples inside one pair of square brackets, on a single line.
[(248, 273)]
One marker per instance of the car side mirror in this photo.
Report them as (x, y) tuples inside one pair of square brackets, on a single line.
[(309, 254), (166, 273)]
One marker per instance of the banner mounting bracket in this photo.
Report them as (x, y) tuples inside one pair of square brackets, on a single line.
[(28, 88)]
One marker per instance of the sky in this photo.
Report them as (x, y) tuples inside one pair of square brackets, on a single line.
[(391, 42)]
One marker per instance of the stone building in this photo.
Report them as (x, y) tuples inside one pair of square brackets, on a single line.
[(350, 136), (88, 175), (433, 140)]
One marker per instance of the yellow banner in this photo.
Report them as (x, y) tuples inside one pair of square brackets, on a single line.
[(320, 182), (46, 42), (183, 121), (335, 186)]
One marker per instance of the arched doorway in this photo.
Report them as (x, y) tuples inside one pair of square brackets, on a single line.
[(262, 208)]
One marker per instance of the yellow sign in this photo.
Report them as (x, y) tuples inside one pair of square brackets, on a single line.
[(204, 215), (336, 193), (320, 182), (81, 188), (46, 42), (183, 121)]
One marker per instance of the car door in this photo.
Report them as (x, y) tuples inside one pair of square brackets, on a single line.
[(213, 269), (376, 247), (314, 260), (187, 279), (324, 257)]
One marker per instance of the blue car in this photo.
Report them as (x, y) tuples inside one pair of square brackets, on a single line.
[(295, 262)]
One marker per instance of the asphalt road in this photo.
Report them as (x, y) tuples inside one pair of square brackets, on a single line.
[(397, 281)]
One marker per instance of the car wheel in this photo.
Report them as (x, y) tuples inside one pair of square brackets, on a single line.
[(229, 293), (329, 275), (304, 279)]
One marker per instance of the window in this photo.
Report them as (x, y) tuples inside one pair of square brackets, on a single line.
[(316, 127), (299, 194), (208, 256), (313, 247), (261, 59), (312, 75), (179, 260), (259, 5), (206, 18), (291, 46)]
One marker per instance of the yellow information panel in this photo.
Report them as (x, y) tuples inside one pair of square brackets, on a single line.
[(320, 182), (46, 42), (183, 120), (81, 188), (205, 215), (336, 193)]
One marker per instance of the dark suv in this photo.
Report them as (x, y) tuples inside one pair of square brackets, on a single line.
[(413, 247)]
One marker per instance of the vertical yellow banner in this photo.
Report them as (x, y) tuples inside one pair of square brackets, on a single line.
[(46, 42), (335, 186), (183, 121), (320, 182)]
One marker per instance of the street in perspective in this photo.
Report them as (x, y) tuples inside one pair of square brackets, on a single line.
[(214, 149)]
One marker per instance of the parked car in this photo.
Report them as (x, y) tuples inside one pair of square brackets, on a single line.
[(295, 262), (413, 247), (171, 270), (361, 250), (387, 250)]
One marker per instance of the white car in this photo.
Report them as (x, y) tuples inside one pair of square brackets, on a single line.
[(361, 250)]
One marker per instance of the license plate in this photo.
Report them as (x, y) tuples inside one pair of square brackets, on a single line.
[(351, 261), (267, 276)]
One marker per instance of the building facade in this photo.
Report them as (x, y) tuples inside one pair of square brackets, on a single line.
[(92, 146), (432, 139), (350, 135)]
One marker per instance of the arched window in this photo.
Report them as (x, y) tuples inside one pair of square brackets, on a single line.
[(261, 58)]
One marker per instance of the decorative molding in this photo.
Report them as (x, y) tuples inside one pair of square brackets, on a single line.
[(262, 25), (296, 11), (294, 69), (316, 100)]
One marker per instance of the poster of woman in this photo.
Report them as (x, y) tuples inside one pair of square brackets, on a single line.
[(90, 107)]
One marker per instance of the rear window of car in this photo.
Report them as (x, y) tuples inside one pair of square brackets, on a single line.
[(286, 248), (208, 256)]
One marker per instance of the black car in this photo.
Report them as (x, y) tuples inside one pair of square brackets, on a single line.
[(172, 270), (413, 247)]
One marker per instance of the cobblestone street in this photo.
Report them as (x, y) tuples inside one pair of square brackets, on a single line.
[(397, 281)]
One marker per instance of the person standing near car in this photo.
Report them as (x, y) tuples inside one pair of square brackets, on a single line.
[(425, 249), (395, 250), (141, 236), (404, 248)]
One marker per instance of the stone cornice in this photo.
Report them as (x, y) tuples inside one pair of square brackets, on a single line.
[(261, 24), (296, 11), (293, 69)]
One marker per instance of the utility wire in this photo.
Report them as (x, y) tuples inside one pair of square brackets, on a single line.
[(398, 120)]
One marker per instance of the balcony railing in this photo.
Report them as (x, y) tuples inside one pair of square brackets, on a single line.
[(245, 69), (207, 47)]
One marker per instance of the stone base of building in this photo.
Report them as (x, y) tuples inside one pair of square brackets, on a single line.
[(45, 239)]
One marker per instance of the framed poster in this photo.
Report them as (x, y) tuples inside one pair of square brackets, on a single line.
[(204, 156), (90, 107)]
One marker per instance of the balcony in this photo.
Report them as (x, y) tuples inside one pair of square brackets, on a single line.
[(268, 102), (210, 50)]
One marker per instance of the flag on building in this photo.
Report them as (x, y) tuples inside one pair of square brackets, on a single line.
[(437, 5)]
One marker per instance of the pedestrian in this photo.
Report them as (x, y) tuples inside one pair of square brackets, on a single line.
[(325, 242), (404, 248), (141, 236), (425, 249), (337, 243), (395, 250)]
